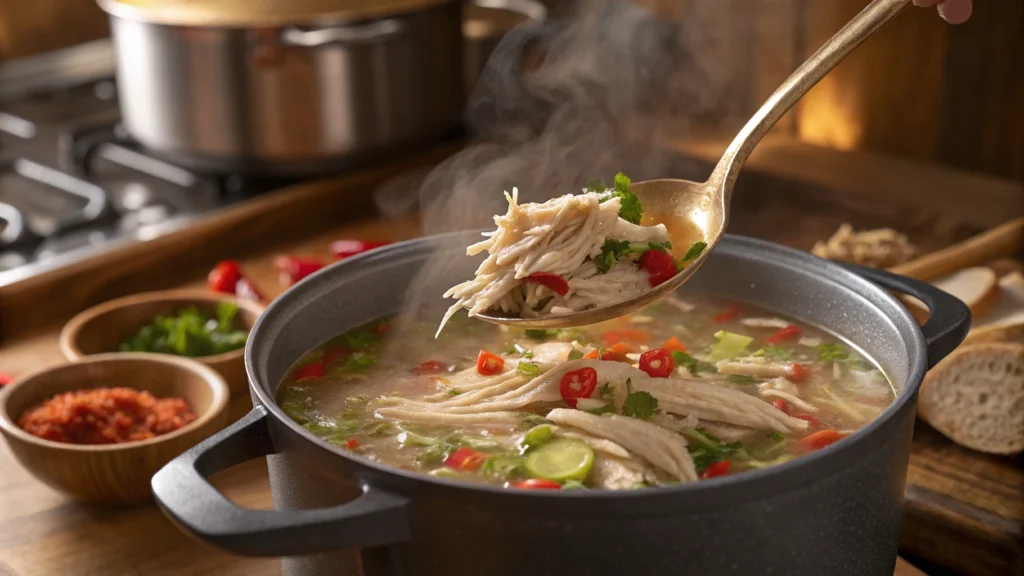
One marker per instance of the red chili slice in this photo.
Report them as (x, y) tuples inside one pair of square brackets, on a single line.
[(344, 248), (465, 459), (783, 334), (660, 266), (797, 373), (781, 405), (295, 268), (538, 484), (657, 363), (429, 367), (729, 313), (578, 384), (488, 364), (815, 423), (717, 469), (314, 370), (818, 440), (5, 379), (557, 284), (246, 290), (615, 356), (352, 444), (224, 276)]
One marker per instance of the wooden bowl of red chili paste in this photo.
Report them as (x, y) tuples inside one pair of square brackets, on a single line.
[(100, 428)]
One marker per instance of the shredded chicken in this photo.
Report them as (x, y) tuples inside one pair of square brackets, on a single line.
[(756, 367), (611, 473), (881, 248), (559, 237), (654, 444), (764, 322)]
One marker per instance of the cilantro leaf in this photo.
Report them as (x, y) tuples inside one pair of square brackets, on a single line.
[(631, 211), (611, 251), (692, 364), (606, 391), (596, 185), (640, 405), (696, 249), (832, 353), (706, 449)]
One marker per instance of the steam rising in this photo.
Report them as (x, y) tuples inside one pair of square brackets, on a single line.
[(582, 96)]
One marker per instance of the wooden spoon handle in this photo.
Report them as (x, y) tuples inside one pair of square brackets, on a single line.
[(1002, 241)]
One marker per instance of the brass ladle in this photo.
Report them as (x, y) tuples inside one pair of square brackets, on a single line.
[(700, 210)]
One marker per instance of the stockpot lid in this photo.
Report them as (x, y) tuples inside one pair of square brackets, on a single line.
[(258, 13)]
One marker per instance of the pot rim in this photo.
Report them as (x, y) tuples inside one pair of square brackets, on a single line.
[(791, 470)]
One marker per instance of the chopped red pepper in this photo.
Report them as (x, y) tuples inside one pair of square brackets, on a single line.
[(728, 314), (246, 290), (538, 484), (592, 355), (429, 367), (720, 468), (781, 405), (352, 444), (553, 281), (632, 335), (331, 355), (381, 328), (815, 423), (797, 373), (344, 248), (295, 268), (314, 370), (673, 345), (657, 363), (578, 384), (660, 266), (5, 379), (783, 334), (615, 356), (621, 348), (465, 459), (488, 364), (818, 440), (224, 276)]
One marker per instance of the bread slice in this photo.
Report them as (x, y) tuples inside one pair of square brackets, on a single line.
[(975, 397), (978, 287), (1005, 321)]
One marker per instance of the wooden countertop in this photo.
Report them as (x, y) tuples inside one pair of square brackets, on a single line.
[(952, 493)]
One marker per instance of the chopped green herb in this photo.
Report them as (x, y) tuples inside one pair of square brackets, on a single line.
[(740, 379), (775, 353), (377, 428), (512, 349), (777, 437), (573, 485), (640, 405), (696, 249), (606, 391), (501, 465), (360, 339), (409, 438), (832, 353), (706, 449), (435, 453), (596, 185), (692, 364), (527, 369), (631, 211), (527, 354), (474, 442), (612, 250), (189, 333), (454, 392), (606, 409), (638, 486), (575, 354), (540, 334), (359, 361)]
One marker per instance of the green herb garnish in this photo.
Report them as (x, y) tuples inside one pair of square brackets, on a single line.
[(540, 334), (360, 339), (696, 249), (575, 354), (631, 211), (501, 465), (606, 391), (706, 449), (573, 485), (596, 185), (692, 364), (641, 405), (535, 420), (454, 392), (832, 353), (612, 250), (189, 333), (527, 369)]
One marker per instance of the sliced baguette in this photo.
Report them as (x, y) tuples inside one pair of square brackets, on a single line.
[(978, 287), (1005, 321), (975, 397)]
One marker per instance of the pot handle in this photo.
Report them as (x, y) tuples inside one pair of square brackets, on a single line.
[(368, 33), (949, 319), (376, 518)]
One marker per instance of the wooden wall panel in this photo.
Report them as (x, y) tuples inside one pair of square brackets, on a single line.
[(33, 26)]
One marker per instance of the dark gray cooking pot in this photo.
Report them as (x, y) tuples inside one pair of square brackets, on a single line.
[(834, 512)]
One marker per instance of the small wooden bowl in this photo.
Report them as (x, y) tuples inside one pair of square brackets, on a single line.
[(101, 329), (112, 473)]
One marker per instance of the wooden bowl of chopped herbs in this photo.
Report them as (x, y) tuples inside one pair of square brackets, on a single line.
[(208, 327)]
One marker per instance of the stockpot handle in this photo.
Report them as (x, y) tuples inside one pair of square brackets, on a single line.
[(375, 518), (373, 32), (949, 319)]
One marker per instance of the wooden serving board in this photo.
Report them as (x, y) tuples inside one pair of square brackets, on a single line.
[(963, 510)]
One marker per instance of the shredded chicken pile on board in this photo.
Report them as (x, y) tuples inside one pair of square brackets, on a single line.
[(881, 248), (560, 236)]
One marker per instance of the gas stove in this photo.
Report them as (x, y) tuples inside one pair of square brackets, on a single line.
[(72, 184)]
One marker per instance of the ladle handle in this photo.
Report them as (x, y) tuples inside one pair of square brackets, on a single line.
[(872, 18)]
